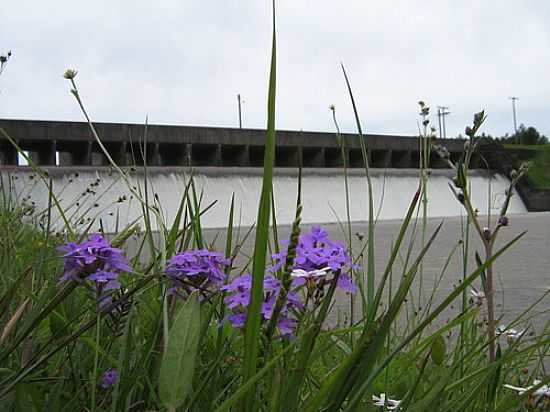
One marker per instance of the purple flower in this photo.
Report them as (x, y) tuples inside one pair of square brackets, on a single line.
[(95, 260), (286, 325), (345, 283), (237, 320), (196, 269), (238, 299), (317, 256), (103, 276), (90, 257), (110, 376)]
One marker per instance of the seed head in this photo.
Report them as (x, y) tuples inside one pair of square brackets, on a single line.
[(70, 74), (503, 221)]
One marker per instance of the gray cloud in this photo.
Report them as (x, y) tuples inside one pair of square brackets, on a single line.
[(183, 62)]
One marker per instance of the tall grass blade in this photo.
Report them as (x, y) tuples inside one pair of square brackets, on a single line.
[(370, 250), (253, 321)]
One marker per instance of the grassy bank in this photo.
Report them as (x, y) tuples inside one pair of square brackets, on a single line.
[(86, 326), (539, 156)]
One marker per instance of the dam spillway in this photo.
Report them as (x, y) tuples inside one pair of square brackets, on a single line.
[(100, 193), (228, 161)]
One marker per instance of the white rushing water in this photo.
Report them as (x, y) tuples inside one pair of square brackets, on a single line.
[(323, 194)]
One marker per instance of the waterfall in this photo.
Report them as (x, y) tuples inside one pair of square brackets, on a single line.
[(94, 193)]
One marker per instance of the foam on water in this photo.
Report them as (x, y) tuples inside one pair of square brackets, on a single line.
[(323, 194)]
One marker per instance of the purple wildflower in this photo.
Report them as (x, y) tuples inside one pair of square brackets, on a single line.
[(317, 256), (110, 377), (196, 269), (83, 260), (237, 320), (238, 299), (95, 260), (345, 283)]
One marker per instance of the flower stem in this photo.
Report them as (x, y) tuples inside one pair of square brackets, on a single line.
[(96, 362), (490, 302)]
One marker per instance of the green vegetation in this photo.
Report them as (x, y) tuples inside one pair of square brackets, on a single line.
[(525, 136), (539, 156), (93, 327)]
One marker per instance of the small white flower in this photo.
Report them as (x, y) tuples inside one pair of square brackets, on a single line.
[(391, 404), (300, 273), (510, 334), (478, 296), (543, 391)]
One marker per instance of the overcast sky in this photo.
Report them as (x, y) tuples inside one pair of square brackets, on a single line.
[(185, 61)]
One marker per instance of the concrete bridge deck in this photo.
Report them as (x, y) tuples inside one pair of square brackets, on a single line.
[(62, 143)]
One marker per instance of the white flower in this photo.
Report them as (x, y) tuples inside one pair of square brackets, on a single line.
[(391, 404), (511, 334), (300, 273), (478, 296), (543, 391)]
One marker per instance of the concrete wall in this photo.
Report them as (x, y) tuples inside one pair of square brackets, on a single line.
[(73, 144)]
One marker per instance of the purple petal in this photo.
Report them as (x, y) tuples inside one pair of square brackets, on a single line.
[(345, 283)]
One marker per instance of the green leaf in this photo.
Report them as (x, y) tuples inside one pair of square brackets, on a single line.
[(23, 398), (495, 379), (178, 363), (439, 349)]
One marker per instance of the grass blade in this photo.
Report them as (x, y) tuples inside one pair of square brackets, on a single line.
[(253, 321)]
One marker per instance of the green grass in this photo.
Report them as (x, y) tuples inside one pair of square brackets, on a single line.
[(179, 354), (539, 156)]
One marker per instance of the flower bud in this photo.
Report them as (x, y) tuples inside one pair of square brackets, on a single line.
[(478, 118), (70, 74)]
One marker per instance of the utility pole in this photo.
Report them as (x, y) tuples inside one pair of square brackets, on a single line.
[(513, 99), (439, 121), (240, 114), (442, 111)]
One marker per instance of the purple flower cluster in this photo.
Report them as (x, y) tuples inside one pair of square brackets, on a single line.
[(196, 269), (95, 260), (238, 299), (317, 256), (319, 260)]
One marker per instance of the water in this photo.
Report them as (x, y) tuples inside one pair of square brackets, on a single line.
[(89, 194)]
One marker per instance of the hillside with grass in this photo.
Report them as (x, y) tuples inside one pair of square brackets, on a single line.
[(539, 156)]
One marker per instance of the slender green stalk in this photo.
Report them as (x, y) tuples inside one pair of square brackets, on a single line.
[(344, 153), (93, 381), (370, 250), (252, 328)]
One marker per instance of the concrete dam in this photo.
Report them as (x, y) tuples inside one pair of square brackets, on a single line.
[(226, 162)]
